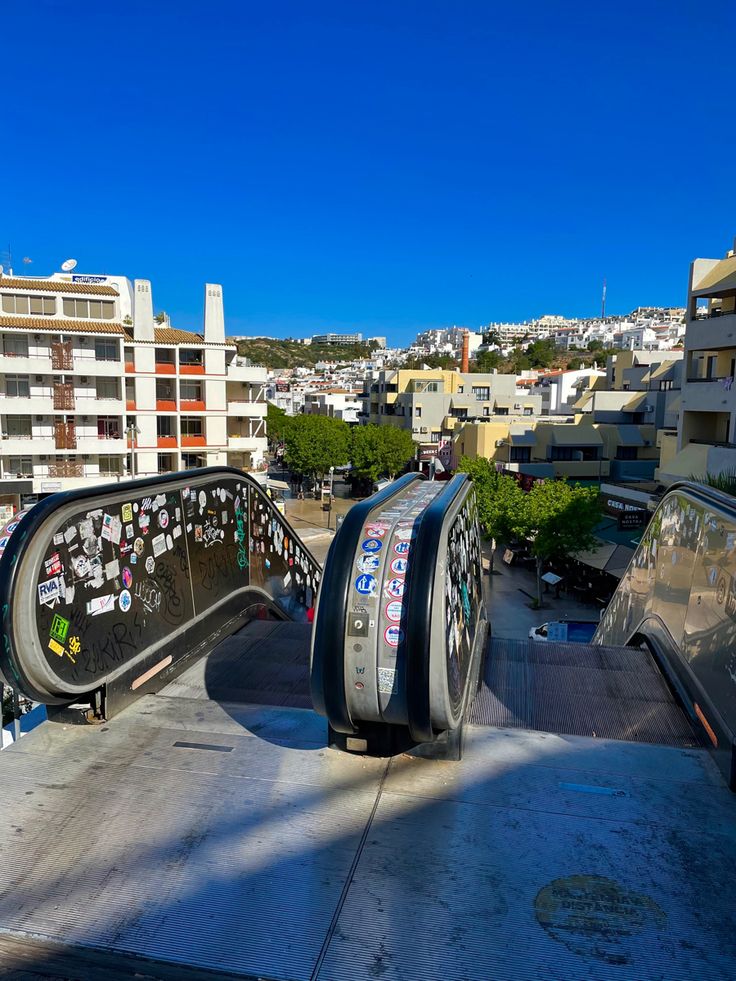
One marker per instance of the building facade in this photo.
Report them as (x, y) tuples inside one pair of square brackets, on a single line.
[(93, 390)]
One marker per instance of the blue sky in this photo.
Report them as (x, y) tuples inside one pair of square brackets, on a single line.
[(383, 167)]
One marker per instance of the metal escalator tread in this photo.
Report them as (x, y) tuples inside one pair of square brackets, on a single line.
[(580, 690)]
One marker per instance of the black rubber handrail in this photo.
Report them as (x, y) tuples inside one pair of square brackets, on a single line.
[(327, 678), (12, 557), (420, 593)]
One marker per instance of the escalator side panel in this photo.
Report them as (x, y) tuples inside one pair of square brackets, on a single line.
[(679, 596), (118, 586)]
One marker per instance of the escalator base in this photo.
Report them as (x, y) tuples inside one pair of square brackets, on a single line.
[(582, 690)]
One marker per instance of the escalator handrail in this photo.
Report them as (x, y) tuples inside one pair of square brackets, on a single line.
[(327, 676), (420, 593), (12, 558)]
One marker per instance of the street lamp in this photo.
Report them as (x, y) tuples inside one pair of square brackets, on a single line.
[(329, 501), (132, 432)]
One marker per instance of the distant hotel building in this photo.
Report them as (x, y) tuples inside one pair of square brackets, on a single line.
[(337, 339), (93, 390)]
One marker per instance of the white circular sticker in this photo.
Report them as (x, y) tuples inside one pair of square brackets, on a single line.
[(393, 636), (124, 601), (150, 564), (163, 519), (376, 531), (394, 611), (395, 588), (399, 566), (202, 499), (368, 563)]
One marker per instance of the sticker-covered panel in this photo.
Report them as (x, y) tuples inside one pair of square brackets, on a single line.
[(463, 596)]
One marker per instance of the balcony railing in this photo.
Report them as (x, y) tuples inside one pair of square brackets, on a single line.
[(725, 380), (66, 468)]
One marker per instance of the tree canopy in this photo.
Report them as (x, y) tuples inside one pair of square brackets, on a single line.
[(316, 443), (500, 498), (277, 423), (378, 450)]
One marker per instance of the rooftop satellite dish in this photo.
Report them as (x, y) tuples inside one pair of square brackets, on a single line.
[(68, 265)]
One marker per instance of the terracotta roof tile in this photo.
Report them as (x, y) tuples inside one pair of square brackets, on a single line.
[(56, 286), (59, 325), (170, 335)]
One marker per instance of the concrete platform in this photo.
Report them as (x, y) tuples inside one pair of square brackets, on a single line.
[(198, 837)]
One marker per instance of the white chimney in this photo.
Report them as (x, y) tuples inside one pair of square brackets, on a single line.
[(214, 314), (142, 310)]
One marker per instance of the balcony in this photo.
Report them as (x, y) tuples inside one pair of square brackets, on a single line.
[(193, 405), (65, 436), (194, 441), (253, 410), (248, 443), (709, 394), (165, 368), (66, 468), (168, 442), (711, 333), (191, 369), (62, 357), (166, 405), (26, 445), (129, 367), (64, 397), (129, 405)]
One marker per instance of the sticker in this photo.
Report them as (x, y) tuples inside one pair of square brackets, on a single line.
[(159, 545), (124, 601), (71, 533), (53, 565), (139, 545), (163, 519), (376, 531), (81, 566), (202, 499), (177, 531), (58, 539), (198, 533), (56, 648), (75, 645), (133, 559), (160, 500), (393, 636), (127, 577), (395, 588), (150, 564), (101, 604), (127, 512), (169, 542), (402, 548), (386, 679), (372, 545), (112, 569), (366, 585), (49, 592), (111, 528), (144, 520), (368, 563), (129, 531), (406, 533), (59, 628), (394, 611), (399, 566)]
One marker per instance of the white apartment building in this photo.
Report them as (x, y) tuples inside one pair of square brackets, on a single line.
[(93, 390)]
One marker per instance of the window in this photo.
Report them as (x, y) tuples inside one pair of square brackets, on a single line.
[(163, 356), (191, 391), (21, 466), (502, 410), (418, 411), (89, 309), (108, 427), (520, 454), (165, 426), (191, 426), (528, 410), (486, 410), (482, 392), (106, 350), (43, 305), (665, 386), (18, 427), (573, 453), (165, 391), (191, 460), (434, 437), (17, 386), (626, 453), (110, 466), (107, 388), (16, 346), (187, 356)]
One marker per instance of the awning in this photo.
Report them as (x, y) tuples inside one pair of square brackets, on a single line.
[(635, 404), (277, 484), (566, 435), (619, 561), (720, 280), (597, 559), (522, 436), (629, 436)]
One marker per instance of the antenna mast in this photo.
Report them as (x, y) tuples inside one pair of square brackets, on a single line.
[(603, 300)]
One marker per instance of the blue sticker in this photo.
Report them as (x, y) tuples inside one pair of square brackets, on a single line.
[(367, 563), (372, 545), (402, 548), (366, 584)]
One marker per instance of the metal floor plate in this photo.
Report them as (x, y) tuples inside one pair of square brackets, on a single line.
[(220, 835), (579, 689)]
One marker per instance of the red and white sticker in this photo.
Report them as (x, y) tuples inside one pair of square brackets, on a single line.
[(394, 611), (399, 566), (402, 548), (376, 531), (393, 636), (395, 588)]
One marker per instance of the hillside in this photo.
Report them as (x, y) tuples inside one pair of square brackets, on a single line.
[(292, 354)]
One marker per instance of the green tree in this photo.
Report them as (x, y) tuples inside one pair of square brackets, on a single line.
[(518, 361), (558, 520), (492, 337), (277, 423), (486, 361), (316, 443), (595, 346), (500, 499), (541, 354), (378, 450)]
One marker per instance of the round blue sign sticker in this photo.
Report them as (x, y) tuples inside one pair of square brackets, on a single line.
[(372, 545), (402, 548), (366, 585), (368, 563)]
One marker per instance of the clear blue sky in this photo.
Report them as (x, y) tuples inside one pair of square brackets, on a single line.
[(383, 166)]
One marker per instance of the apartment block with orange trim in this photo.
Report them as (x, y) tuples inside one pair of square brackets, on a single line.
[(93, 389)]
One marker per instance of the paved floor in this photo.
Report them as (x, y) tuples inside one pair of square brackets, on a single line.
[(510, 591)]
